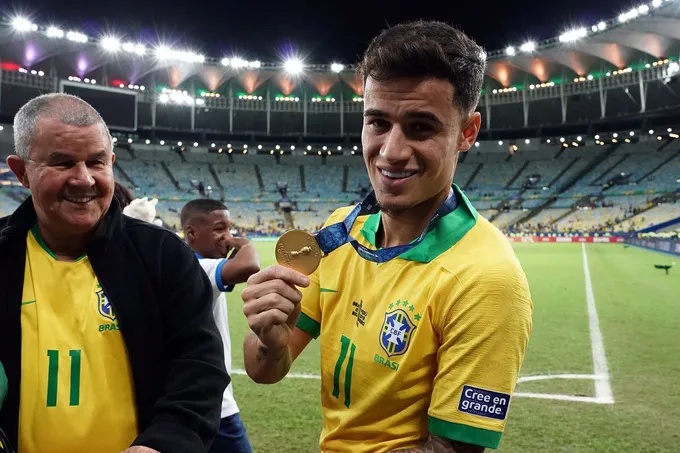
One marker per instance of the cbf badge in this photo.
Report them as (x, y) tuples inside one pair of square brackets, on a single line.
[(104, 306), (396, 333)]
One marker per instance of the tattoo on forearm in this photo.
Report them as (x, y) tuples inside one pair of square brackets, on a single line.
[(436, 444)]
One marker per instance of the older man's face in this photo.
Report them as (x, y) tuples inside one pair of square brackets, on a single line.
[(70, 175)]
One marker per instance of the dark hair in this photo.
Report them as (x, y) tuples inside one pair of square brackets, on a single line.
[(428, 49), (199, 206), (123, 194)]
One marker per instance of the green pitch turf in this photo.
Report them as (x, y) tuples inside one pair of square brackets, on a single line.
[(639, 319)]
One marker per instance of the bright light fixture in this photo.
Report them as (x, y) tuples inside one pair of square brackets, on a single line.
[(337, 67), (528, 46), (293, 66)]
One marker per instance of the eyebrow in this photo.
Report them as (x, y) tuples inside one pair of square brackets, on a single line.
[(58, 155), (415, 114)]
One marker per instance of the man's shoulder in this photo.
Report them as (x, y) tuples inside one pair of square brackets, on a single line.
[(339, 215), (482, 249), (150, 238)]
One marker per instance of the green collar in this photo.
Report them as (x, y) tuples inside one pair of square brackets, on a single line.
[(38, 237), (448, 230)]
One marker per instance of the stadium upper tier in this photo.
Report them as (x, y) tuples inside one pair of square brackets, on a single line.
[(625, 66)]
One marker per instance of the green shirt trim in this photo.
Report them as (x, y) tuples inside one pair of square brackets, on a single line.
[(309, 325), (38, 237), (448, 231), (464, 433)]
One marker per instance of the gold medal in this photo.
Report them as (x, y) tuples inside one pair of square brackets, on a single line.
[(298, 250)]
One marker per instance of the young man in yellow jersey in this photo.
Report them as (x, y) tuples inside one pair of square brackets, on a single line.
[(421, 307), (106, 328)]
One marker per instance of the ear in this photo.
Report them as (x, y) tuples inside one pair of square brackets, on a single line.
[(18, 167), (469, 132), (189, 232)]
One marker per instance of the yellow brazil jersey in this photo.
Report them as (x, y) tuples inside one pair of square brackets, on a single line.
[(431, 341), (76, 387)]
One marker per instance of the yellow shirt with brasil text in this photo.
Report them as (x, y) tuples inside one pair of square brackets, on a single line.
[(431, 341), (76, 391)]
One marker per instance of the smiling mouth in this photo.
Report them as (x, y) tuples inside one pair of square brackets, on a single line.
[(80, 200), (397, 175)]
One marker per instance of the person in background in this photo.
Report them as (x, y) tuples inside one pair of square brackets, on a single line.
[(108, 339), (206, 225)]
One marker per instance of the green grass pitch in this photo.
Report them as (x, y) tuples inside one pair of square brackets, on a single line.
[(559, 406)]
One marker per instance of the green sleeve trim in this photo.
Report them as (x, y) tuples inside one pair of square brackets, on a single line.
[(309, 325), (464, 433)]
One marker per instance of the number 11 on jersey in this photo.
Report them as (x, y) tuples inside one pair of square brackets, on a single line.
[(345, 345)]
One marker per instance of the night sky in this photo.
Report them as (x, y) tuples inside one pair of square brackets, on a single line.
[(321, 31)]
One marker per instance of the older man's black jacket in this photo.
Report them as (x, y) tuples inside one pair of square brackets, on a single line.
[(163, 301)]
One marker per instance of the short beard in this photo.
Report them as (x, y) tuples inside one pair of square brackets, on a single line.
[(394, 210)]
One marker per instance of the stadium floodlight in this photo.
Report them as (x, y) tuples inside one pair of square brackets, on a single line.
[(21, 24), (114, 139), (278, 147), (259, 146), (337, 67), (527, 141), (110, 43), (309, 147), (631, 133), (643, 9), (673, 68), (602, 26), (656, 3), (590, 77), (129, 140), (579, 138), (229, 145), (476, 144), (54, 32), (615, 135), (339, 148), (212, 145), (271, 151), (573, 35), (651, 132), (500, 143), (162, 142), (292, 147), (547, 141), (562, 139), (324, 147), (528, 46), (597, 137), (293, 66), (355, 148), (147, 141), (659, 138), (669, 130), (510, 51), (245, 146), (179, 143), (76, 37), (254, 64), (195, 144)]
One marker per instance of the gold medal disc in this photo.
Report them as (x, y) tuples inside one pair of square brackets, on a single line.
[(298, 250)]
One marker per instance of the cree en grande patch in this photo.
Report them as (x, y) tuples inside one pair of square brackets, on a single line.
[(484, 403)]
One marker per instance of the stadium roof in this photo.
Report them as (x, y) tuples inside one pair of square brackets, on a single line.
[(648, 34)]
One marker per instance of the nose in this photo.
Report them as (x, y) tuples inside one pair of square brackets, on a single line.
[(396, 147), (81, 176)]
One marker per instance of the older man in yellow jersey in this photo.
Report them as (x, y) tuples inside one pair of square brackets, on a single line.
[(106, 328), (421, 307)]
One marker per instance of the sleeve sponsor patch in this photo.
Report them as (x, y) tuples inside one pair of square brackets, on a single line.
[(484, 403)]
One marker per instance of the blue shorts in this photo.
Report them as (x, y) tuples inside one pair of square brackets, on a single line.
[(231, 437)]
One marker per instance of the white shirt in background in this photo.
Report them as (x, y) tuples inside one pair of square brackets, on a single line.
[(213, 267)]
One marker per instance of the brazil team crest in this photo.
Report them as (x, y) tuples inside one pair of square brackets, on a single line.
[(104, 306), (396, 332)]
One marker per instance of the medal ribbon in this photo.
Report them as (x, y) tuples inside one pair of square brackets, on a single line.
[(338, 234)]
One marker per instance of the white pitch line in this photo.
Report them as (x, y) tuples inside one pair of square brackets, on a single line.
[(603, 389), (545, 377), (548, 396), (242, 372)]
